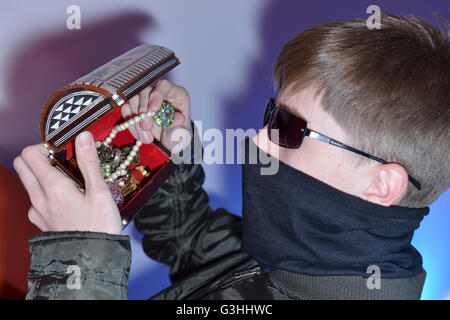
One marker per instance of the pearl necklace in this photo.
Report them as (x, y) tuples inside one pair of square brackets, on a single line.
[(122, 169)]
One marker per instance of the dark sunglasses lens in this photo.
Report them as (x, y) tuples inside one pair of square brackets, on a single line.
[(269, 107), (290, 129)]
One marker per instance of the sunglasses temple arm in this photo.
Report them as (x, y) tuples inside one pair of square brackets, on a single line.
[(318, 136)]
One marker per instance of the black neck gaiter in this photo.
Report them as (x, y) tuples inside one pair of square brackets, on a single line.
[(294, 222)]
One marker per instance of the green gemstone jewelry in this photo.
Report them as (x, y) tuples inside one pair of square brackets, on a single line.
[(164, 116), (106, 169)]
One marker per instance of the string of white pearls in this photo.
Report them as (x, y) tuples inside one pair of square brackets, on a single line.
[(122, 169), (125, 125)]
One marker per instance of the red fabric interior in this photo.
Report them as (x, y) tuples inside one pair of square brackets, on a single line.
[(149, 155)]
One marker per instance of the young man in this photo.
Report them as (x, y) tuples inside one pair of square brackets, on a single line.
[(360, 127)]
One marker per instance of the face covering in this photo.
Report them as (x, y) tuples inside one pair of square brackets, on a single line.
[(296, 223)]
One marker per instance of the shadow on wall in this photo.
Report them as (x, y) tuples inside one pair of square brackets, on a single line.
[(36, 71), (44, 65)]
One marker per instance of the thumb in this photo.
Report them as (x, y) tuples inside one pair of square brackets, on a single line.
[(87, 160)]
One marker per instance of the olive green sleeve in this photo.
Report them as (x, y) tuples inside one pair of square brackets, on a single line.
[(79, 265)]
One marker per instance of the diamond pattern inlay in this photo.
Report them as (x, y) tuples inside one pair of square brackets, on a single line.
[(67, 109)]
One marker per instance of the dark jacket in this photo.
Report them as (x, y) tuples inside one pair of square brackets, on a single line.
[(202, 248)]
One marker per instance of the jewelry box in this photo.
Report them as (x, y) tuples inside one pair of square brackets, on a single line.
[(93, 103)]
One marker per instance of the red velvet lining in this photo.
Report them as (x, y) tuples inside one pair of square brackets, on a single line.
[(149, 155)]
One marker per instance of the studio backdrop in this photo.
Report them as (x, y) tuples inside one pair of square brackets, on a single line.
[(226, 49)]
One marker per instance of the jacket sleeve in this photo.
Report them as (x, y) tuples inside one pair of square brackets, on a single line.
[(79, 265), (179, 227)]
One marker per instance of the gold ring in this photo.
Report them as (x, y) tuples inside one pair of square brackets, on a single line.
[(144, 170)]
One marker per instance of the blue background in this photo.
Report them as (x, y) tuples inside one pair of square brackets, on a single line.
[(227, 49)]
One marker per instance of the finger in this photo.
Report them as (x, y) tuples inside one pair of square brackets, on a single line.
[(87, 160), (35, 158), (134, 104), (29, 181), (144, 97), (178, 120), (159, 93), (155, 100), (162, 91), (147, 124), (157, 131), (175, 94), (147, 137), (125, 110), (127, 114), (36, 218)]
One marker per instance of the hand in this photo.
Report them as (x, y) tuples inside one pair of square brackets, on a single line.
[(57, 204), (175, 137)]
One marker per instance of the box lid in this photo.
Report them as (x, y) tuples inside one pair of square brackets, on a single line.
[(77, 106)]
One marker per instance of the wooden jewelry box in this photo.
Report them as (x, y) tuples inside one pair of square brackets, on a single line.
[(93, 103)]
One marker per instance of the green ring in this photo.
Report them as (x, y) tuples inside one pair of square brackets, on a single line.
[(165, 114)]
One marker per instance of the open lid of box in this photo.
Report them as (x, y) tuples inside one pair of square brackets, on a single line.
[(79, 105)]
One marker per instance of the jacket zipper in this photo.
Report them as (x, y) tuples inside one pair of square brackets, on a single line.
[(250, 273)]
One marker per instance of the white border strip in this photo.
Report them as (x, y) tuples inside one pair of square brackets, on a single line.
[(150, 75)]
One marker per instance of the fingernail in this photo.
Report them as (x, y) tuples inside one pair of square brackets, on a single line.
[(145, 137), (147, 124), (85, 140)]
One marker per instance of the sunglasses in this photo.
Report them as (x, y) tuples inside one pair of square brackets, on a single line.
[(290, 131)]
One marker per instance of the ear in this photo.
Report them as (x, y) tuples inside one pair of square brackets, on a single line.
[(388, 185)]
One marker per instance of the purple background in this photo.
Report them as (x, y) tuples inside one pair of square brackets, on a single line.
[(44, 61)]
